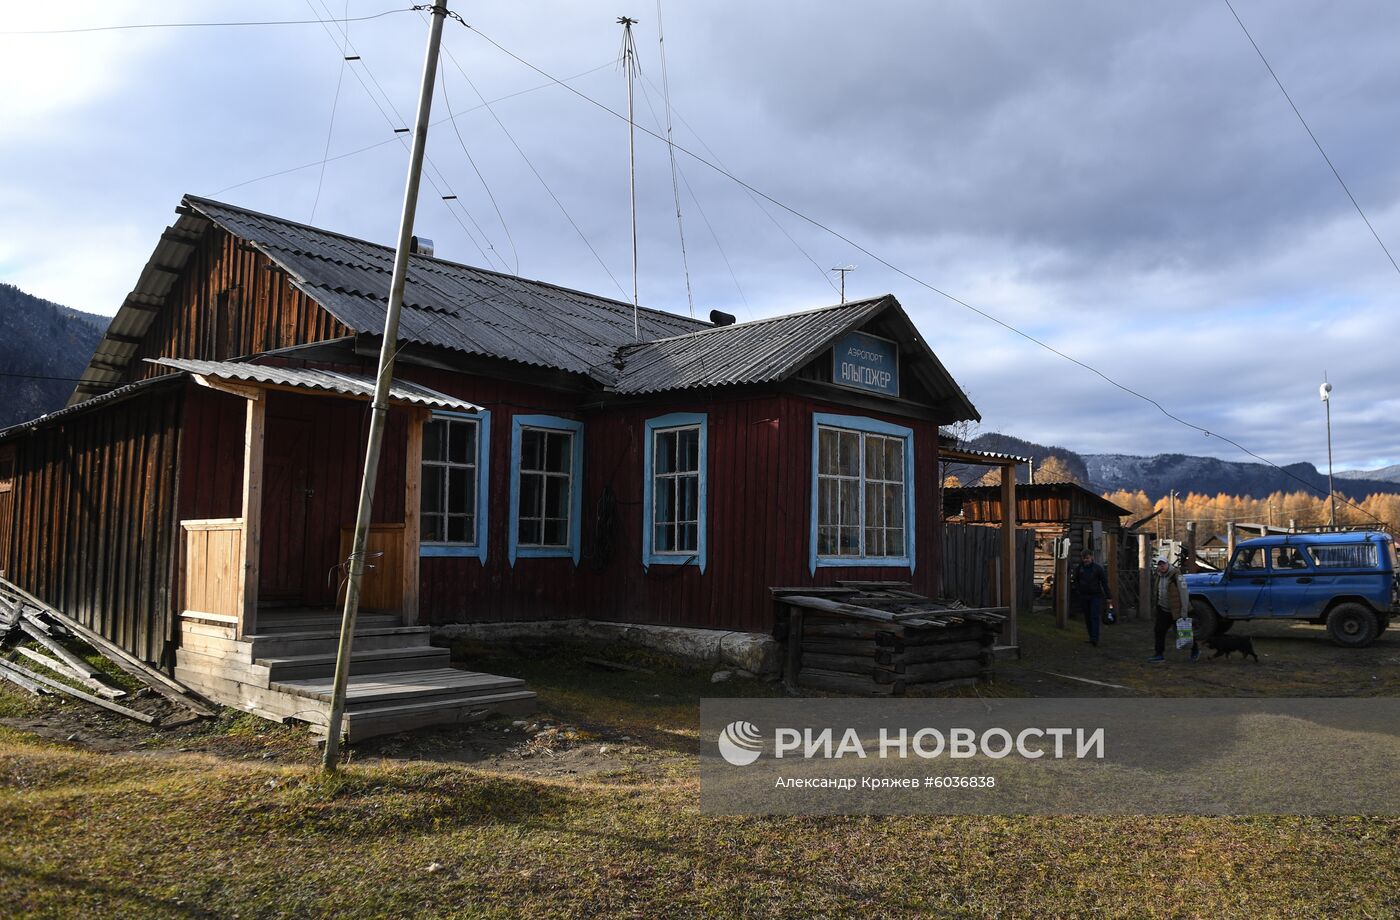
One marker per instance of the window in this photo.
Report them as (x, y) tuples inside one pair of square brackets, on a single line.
[(1345, 556), (1251, 560), (546, 486), (674, 502), (862, 495), (456, 452)]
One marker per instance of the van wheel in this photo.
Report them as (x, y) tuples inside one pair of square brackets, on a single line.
[(1352, 625), (1206, 621), (1382, 623)]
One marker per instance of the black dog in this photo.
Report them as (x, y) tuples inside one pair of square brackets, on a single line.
[(1224, 645)]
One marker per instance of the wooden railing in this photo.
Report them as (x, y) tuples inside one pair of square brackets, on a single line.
[(211, 569)]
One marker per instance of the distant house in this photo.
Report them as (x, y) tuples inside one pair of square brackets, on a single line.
[(542, 460)]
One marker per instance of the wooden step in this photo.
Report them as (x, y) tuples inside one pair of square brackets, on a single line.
[(303, 622), (326, 641), (370, 661), (373, 690), (386, 720)]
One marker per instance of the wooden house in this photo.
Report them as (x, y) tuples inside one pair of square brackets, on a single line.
[(543, 460)]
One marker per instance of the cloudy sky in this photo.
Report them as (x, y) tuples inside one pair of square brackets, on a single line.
[(1122, 180)]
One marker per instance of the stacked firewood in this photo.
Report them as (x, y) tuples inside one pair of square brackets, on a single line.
[(881, 639)]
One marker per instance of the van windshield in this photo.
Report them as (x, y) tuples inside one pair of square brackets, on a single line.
[(1345, 556)]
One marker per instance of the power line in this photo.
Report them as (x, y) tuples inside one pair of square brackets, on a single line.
[(825, 276), (1316, 142), (394, 125), (538, 176), (703, 216), (921, 282), (38, 377), (389, 140), (446, 101), (330, 128), (198, 25)]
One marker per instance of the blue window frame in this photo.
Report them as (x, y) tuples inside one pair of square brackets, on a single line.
[(675, 490), (456, 468), (546, 487), (862, 493)]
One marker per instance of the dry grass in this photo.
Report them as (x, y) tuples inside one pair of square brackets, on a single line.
[(405, 832)]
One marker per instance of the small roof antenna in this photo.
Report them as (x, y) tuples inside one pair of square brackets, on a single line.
[(841, 270)]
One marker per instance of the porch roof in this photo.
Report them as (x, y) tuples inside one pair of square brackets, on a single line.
[(317, 379)]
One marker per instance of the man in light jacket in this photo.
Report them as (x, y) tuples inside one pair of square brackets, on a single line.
[(1171, 600)]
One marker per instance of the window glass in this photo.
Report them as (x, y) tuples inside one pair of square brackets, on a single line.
[(860, 494), (449, 486), (1345, 556), (676, 490), (1249, 559), (546, 459)]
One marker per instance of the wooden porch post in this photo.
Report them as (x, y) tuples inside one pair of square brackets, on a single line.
[(1008, 550), (412, 504), (252, 513)]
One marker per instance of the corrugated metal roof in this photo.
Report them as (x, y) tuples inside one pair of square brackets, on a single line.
[(487, 313), (990, 456), (106, 367), (111, 396), (328, 381), (446, 304), (761, 351)]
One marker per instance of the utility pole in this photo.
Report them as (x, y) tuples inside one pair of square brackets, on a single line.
[(842, 270), (629, 62), (1173, 505), (380, 408), (1325, 391)]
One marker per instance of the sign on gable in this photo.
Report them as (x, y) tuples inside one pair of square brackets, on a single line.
[(866, 362)]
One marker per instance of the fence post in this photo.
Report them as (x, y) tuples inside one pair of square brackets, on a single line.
[(1144, 576)]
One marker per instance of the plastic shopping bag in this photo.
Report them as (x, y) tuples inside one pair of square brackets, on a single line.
[(1185, 632)]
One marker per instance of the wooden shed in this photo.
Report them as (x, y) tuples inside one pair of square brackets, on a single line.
[(1055, 511)]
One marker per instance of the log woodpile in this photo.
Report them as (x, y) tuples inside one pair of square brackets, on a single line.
[(881, 639)]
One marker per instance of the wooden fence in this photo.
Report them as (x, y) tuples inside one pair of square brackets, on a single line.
[(970, 565)]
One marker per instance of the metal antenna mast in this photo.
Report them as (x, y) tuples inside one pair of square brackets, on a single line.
[(842, 272), (380, 409), (629, 61)]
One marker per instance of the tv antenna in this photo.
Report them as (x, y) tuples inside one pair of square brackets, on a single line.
[(841, 270)]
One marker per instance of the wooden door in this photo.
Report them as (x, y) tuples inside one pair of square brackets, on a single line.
[(287, 493)]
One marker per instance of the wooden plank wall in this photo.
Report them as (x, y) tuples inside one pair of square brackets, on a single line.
[(95, 519), (970, 554), (759, 512), (229, 302), (7, 504)]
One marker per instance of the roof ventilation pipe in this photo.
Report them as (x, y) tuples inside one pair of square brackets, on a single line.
[(420, 246), (720, 318)]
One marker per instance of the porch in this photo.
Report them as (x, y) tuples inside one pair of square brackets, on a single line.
[(259, 593)]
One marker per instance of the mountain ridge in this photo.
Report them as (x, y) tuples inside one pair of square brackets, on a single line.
[(1159, 474), (44, 348)]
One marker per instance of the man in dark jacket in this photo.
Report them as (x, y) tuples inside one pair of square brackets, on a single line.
[(1089, 583)]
